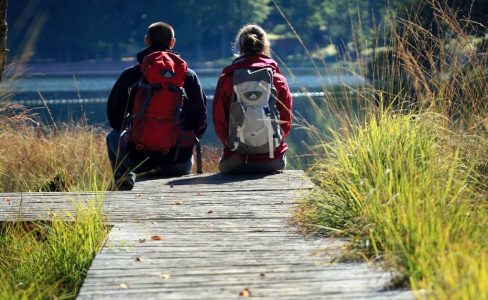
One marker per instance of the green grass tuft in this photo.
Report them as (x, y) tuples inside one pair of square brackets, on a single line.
[(406, 188), (50, 259)]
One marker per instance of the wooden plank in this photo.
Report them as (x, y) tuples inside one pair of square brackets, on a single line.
[(246, 241), (218, 268), (289, 180), (211, 197)]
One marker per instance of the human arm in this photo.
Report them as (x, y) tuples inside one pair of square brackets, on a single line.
[(196, 108), (221, 106), (118, 103), (284, 103)]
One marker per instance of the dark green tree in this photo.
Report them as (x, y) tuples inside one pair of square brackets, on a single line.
[(215, 23), (52, 30), (319, 23), (74, 30)]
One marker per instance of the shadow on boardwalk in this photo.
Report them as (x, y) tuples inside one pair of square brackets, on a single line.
[(216, 179)]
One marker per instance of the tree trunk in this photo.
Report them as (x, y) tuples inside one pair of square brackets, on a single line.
[(3, 36)]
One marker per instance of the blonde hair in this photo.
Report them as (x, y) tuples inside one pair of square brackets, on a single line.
[(252, 39)]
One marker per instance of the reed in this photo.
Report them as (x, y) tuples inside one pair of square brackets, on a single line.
[(39, 158)]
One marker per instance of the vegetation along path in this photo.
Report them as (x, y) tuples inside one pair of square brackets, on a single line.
[(209, 237)]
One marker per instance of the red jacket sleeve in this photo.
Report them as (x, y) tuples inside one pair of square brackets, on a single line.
[(284, 102), (221, 106)]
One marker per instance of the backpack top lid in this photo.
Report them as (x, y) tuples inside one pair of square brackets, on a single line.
[(253, 87), (164, 67)]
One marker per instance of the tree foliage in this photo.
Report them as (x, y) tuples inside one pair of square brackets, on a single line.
[(47, 30)]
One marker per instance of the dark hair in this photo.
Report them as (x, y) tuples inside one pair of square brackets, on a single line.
[(252, 39), (160, 34)]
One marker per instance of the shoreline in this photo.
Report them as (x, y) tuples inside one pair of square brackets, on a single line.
[(90, 67), (94, 67)]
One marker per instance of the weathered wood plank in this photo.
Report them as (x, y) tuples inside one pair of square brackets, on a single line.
[(220, 236), (150, 205)]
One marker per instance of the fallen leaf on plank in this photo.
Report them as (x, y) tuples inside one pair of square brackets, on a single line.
[(157, 238), (164, 276), (124, 285), (245, 293)]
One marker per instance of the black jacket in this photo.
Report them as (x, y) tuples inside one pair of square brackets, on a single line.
[(119, 102)]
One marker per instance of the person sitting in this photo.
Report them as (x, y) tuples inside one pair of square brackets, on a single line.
[(252, 108), (149, 134)]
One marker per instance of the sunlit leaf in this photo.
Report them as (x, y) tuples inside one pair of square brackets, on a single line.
[(245, 293)]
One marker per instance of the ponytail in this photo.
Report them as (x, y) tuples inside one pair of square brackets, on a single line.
[(252, 39)]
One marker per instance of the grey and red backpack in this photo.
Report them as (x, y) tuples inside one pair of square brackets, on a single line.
[(254, 120)]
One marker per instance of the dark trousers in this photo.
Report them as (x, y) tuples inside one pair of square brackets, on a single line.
[(238, 165), (122, 165)]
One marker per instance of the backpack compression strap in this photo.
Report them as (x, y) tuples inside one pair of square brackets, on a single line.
[(149, 88), (179, 119)]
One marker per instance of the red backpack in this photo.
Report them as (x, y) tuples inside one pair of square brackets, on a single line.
[(157, 115)]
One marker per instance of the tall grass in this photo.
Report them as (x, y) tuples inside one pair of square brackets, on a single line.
[(405, 176), (44, 260), (37, 158), (403, 189), (50, 259), (40, 260)]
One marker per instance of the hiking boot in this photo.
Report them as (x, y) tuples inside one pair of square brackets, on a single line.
[(125, 183)]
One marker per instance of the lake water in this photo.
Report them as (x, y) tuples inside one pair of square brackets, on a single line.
[(68, 96), (67, 86)]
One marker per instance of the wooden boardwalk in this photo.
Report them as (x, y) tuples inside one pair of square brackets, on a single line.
[(220, 237)]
